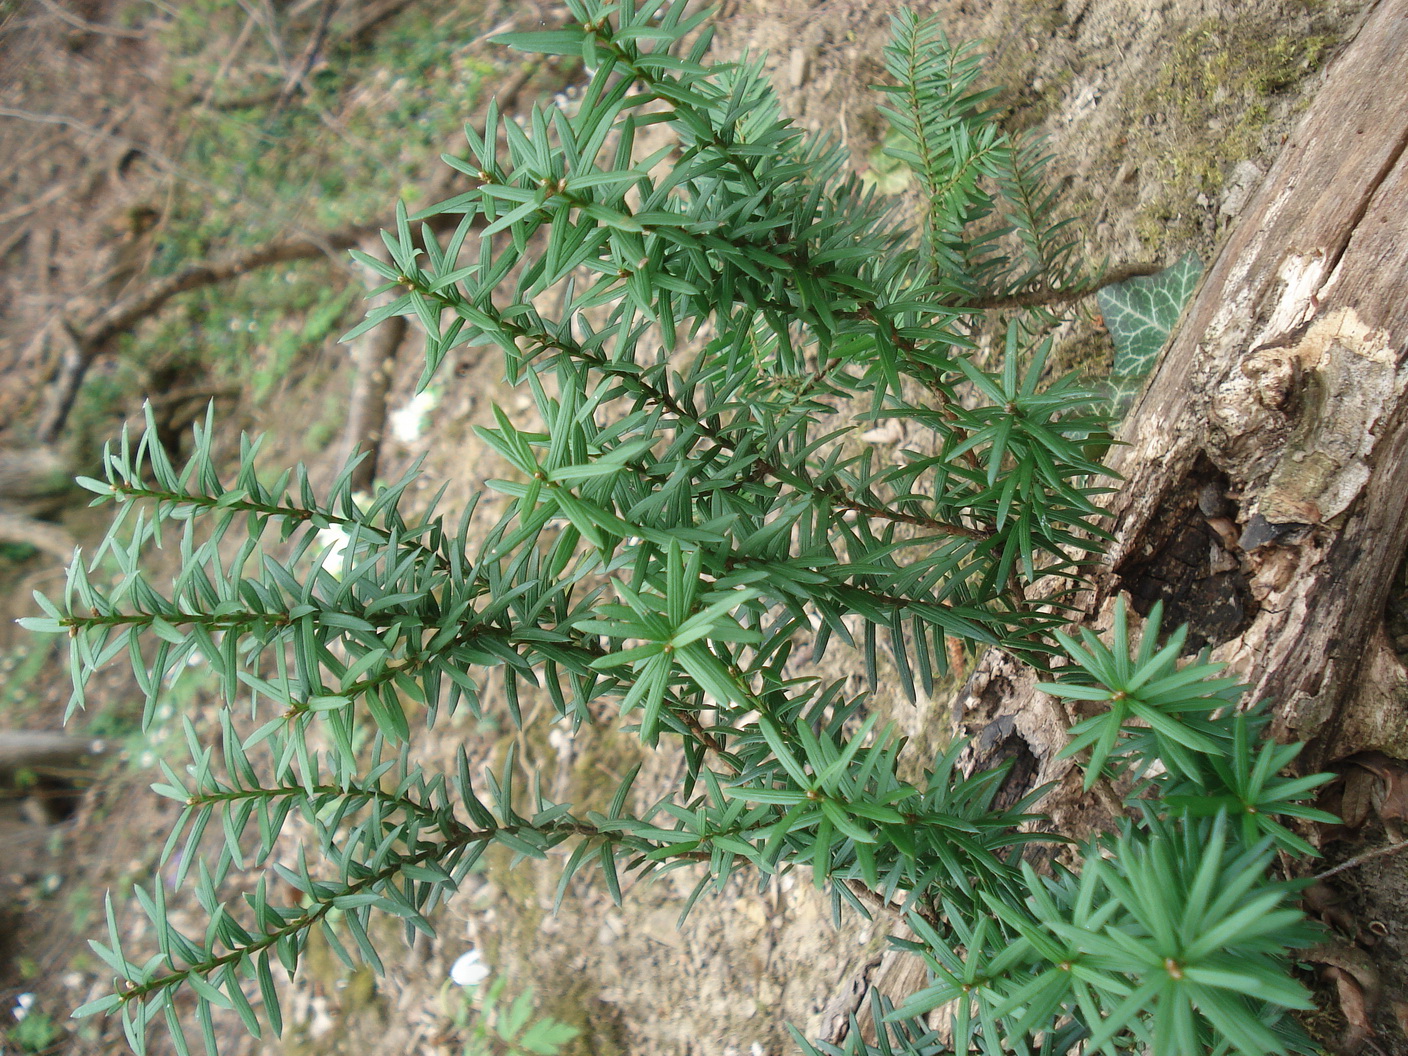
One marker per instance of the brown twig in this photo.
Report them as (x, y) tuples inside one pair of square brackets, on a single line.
[(1361, 859), (63, 120), (89, 340), (884, 905), (371, 384), (310, 54), (372, 16), (86, 343), (227, 62), (1045, 295), (90, 27), (264, 12), (38, 202)]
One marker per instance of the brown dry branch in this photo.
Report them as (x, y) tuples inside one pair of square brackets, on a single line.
[(1360, 859), (1046, 296), (356, 33), (269, 19), (231, 53), (374, 359), (373, 15), (87, 343), (367, 414), (309, 58), (19, 212)]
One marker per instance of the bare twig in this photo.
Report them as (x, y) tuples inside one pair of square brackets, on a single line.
[(374, 15), (310, 55), (891, 909), (122, 316), (37, 202), (90, 27), (20, 234), (63, 120), (88, 341), (270, 22), (1360, 859), (1045, 295), (85, 344), (231, 53)]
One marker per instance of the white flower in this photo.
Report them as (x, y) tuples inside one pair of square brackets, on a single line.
[(336, 539), (408, 424), (469, 970), (23, 1003)]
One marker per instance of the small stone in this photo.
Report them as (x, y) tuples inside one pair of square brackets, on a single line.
[(797, 67)]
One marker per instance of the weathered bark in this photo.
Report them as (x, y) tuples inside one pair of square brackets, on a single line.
[(1265, 499), (1276, 425)]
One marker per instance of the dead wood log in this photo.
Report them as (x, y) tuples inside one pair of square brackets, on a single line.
[(1265, 499), (1282, 408)]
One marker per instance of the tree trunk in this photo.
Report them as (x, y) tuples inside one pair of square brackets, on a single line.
[(1265, 499), (1275, 428)]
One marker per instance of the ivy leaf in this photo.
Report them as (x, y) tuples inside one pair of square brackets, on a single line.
[(1141, 312)]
